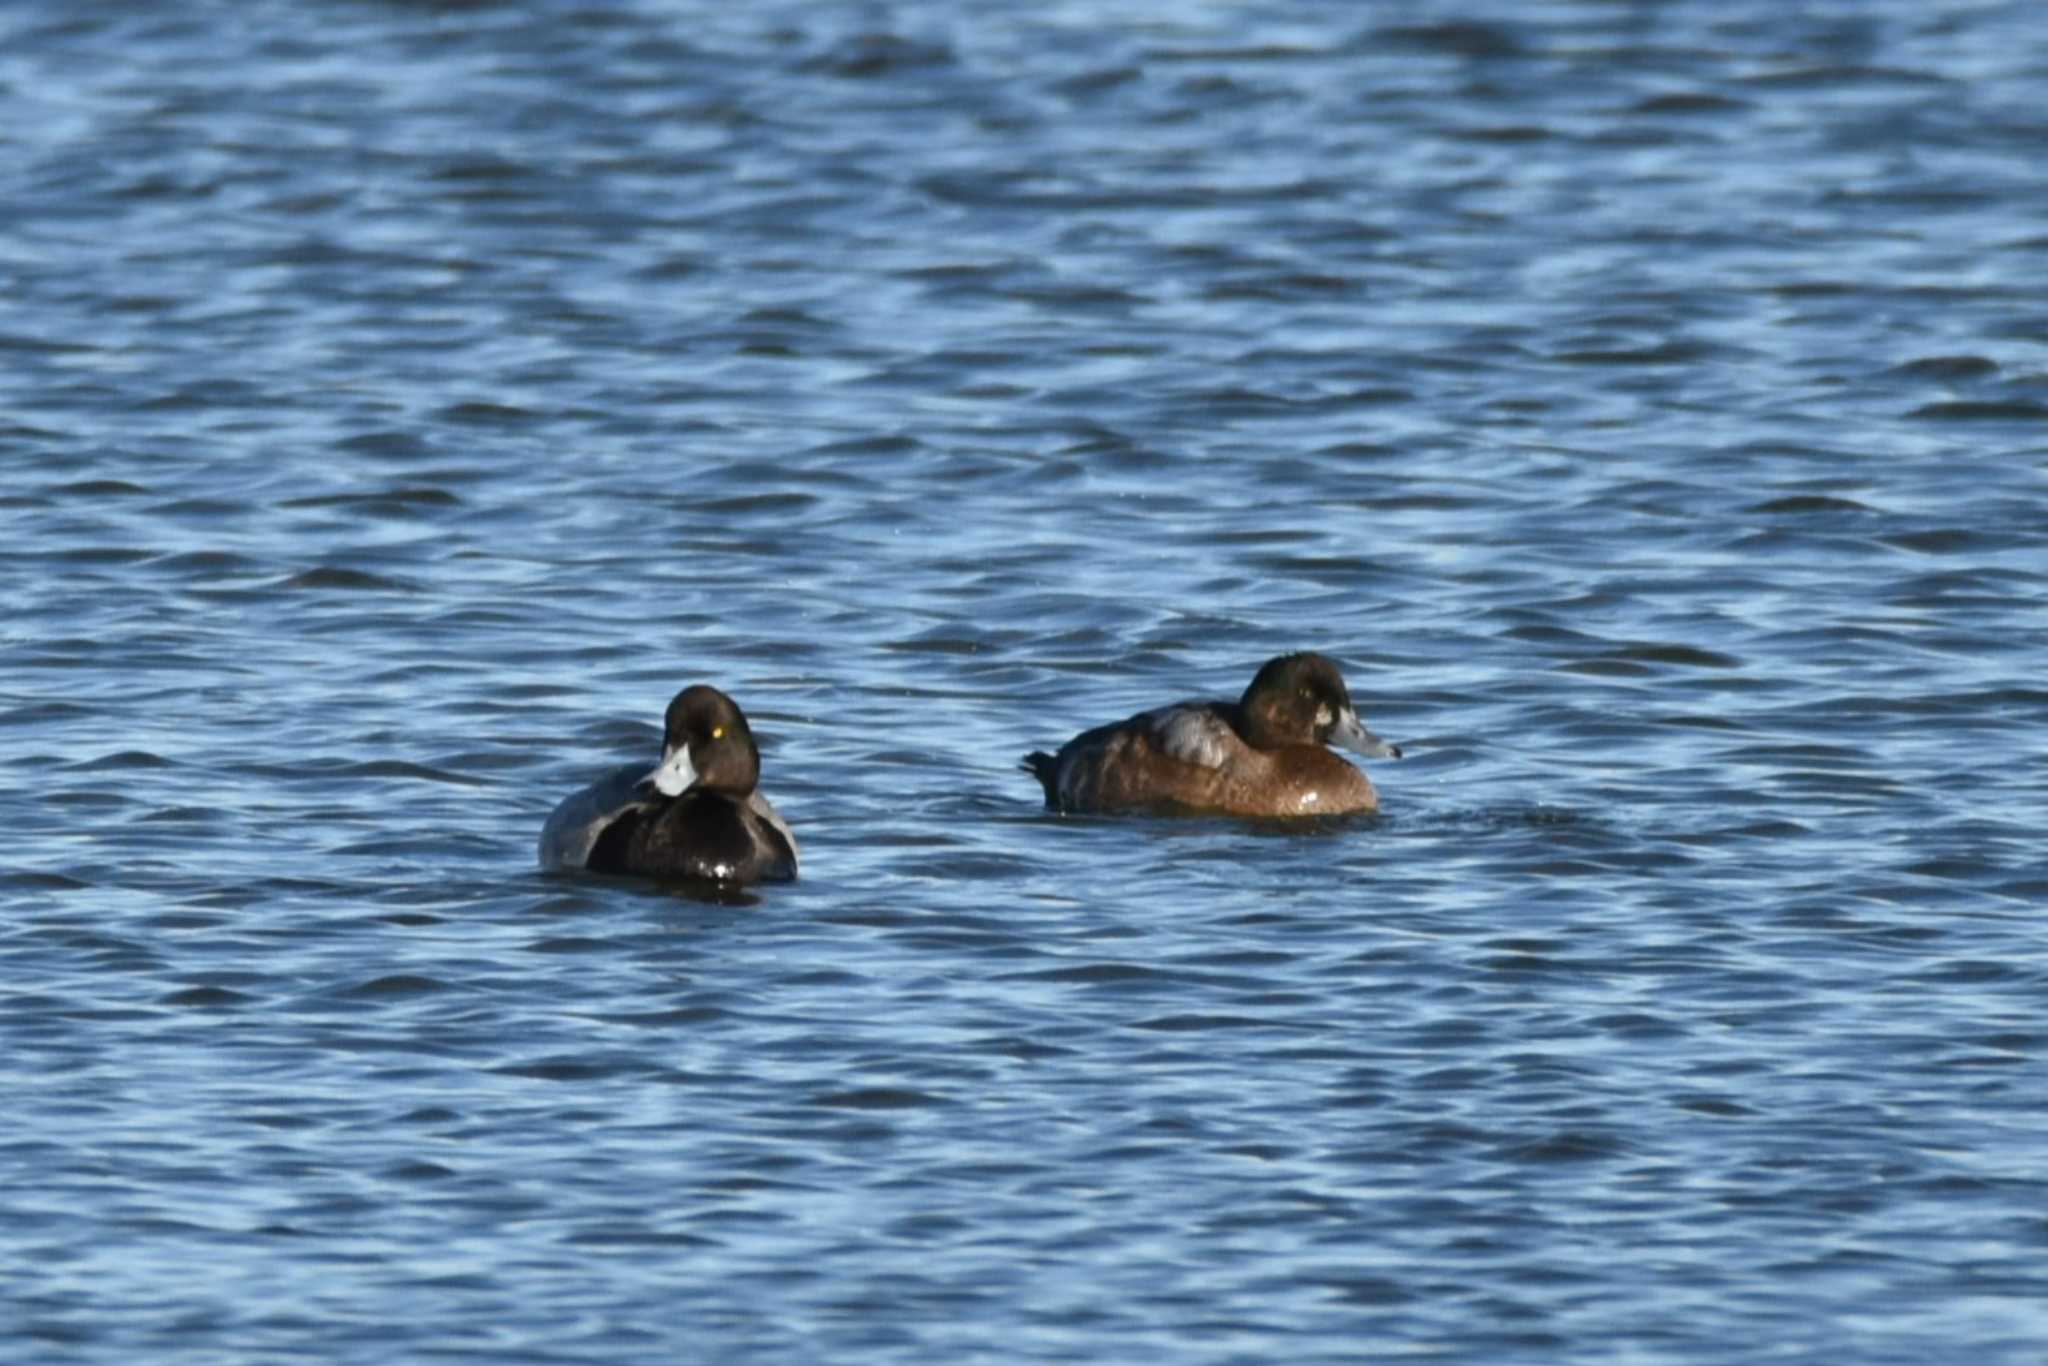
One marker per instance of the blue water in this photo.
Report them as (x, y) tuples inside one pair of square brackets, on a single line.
[(1647, 405)]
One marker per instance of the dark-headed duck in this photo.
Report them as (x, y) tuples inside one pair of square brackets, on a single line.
[(1261, 755), (695, 815)]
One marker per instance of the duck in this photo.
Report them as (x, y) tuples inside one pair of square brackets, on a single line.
[(1261, 756), (696, 815)]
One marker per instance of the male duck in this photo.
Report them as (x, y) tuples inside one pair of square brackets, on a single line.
[(696, 815)]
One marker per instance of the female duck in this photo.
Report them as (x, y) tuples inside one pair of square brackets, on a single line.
[(1261, 755), (696, 815)]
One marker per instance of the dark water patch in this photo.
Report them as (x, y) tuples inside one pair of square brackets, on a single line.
[(1508, 134), (634, 1237), (1981, 410), (1224, 56), (392, 986), (204, 511), (1606, 668), (36, 880), (1947, 369), (416, 1169), (1660, 353), (1769, 828), (1807, 505), (1121, 978), (1563, 1146), (208, 998), (1803, 754), (1848, 74), (1689, 103), (484, 414), (1971, 586), (1281, 286), (99, 488), (1455, 38), (877, 1098), (46, 345), (122, 760), (873, 56), (1207, 1022), (1709, 722), (764, 505), (334, 579), (85, 799), (1637, 1025), (382, 503), (1967, 972), (387, 445), (210, 564), (204, 395), (567, 945), (1970, 869), (1950, 540), (187, 921)]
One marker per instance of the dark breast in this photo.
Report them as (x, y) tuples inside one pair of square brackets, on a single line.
[(698, 835)]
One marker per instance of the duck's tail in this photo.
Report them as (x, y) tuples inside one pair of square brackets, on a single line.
[(1045, 768)]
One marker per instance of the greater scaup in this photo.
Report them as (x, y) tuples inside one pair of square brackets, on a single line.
[(695, 815), (1261, 755)]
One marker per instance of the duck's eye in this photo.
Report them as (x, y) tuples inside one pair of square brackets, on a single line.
[(718, 732)]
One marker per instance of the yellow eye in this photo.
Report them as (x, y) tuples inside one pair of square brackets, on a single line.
[(718, 732)]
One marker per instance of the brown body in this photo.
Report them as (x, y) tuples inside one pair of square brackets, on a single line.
[(1260, 756)]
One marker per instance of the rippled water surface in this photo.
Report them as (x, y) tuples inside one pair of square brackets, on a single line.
[(1647, 404)]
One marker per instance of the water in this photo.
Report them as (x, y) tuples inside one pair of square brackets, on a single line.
[(1645, 403)]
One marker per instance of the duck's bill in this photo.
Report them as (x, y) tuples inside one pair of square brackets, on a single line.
[(1350, 733), (676, 774)]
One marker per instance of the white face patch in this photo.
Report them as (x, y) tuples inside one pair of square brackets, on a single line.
[(676, 775), (1324, 716)]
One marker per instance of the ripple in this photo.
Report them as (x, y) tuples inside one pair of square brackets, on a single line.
[(1948, 368), (877, 1098), (344, 580), (393, 985), (401, 410), (1981, 410), (211, 998), (120, 761)]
